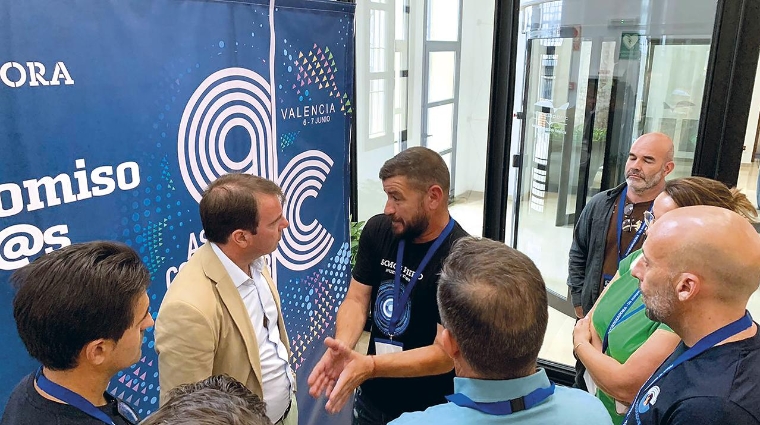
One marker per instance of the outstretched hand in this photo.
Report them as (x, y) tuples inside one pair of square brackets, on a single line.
[(340, 371)]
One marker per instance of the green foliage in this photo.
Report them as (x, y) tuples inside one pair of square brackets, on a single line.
[(557, 129), (600, 134), (356, 231)]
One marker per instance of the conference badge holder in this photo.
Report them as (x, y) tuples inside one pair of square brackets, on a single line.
[(387, 346)]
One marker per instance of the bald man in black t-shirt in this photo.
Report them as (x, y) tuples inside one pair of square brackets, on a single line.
[(694, 280)]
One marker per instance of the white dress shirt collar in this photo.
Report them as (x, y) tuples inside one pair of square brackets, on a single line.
[(238, 276)]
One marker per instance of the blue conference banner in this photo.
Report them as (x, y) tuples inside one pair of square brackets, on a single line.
[(115, 115)]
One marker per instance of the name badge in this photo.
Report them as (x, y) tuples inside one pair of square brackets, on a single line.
[(386, 346)]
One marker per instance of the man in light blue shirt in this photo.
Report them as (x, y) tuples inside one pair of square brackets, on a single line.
[(493, 306)]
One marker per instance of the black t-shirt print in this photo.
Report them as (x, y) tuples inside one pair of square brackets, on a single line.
[(718, 386), (417, 327)]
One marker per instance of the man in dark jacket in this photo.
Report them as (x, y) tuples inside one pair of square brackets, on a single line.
[(611, 226)]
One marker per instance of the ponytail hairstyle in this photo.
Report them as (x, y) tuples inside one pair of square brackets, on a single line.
[(691, 191)]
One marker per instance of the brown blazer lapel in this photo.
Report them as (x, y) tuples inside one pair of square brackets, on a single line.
[(231, 299)]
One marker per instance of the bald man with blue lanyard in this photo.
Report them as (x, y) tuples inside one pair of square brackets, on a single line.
[(694, 280)]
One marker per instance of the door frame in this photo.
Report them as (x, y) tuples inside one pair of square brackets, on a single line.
[(734, 52), (726, 101)]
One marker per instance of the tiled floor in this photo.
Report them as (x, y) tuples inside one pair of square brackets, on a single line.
[(550, 258), (467, 209)]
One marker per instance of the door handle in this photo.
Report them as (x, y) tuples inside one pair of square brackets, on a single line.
[(517, 160)]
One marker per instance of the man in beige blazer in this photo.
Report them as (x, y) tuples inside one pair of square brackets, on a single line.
[(221, 314)]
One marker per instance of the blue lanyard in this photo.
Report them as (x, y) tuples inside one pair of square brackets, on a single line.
[(70, 397), (639, 234), (700, 347), (400, 301), (621, 316), (503, 408)]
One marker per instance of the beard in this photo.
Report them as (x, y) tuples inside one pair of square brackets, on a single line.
[(659, 306), (413, 228), (643, 183)]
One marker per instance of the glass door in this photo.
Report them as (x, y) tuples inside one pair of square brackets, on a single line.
[(597, 75), (674, 101), (562, 149)]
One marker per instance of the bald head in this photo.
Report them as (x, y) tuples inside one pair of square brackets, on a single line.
[(715, 244), (649, 161), (659, 144)]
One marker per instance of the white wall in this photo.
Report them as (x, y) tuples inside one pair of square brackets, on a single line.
[(474, 95), (752, 122)]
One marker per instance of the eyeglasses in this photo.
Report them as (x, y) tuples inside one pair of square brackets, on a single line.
[(648, 218)]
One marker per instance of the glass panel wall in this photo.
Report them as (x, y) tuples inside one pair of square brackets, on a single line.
[(597, 74)]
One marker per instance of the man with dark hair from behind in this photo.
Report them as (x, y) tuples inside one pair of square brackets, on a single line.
[(217, 400), (81, 311), (494, 309)]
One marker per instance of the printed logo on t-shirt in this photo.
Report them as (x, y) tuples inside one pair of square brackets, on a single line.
[(406, 273), (649, 399), (383, 309)]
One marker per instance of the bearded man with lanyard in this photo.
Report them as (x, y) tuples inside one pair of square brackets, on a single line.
[(82, 312), (396, 276), (612, 225), (694, 280)]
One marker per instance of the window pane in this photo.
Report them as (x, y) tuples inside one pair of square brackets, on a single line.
[(377, 43), (442, 70), (401, 19), (558, 340), (377, 99), (675, 98), (443, 20), (440, 127)]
